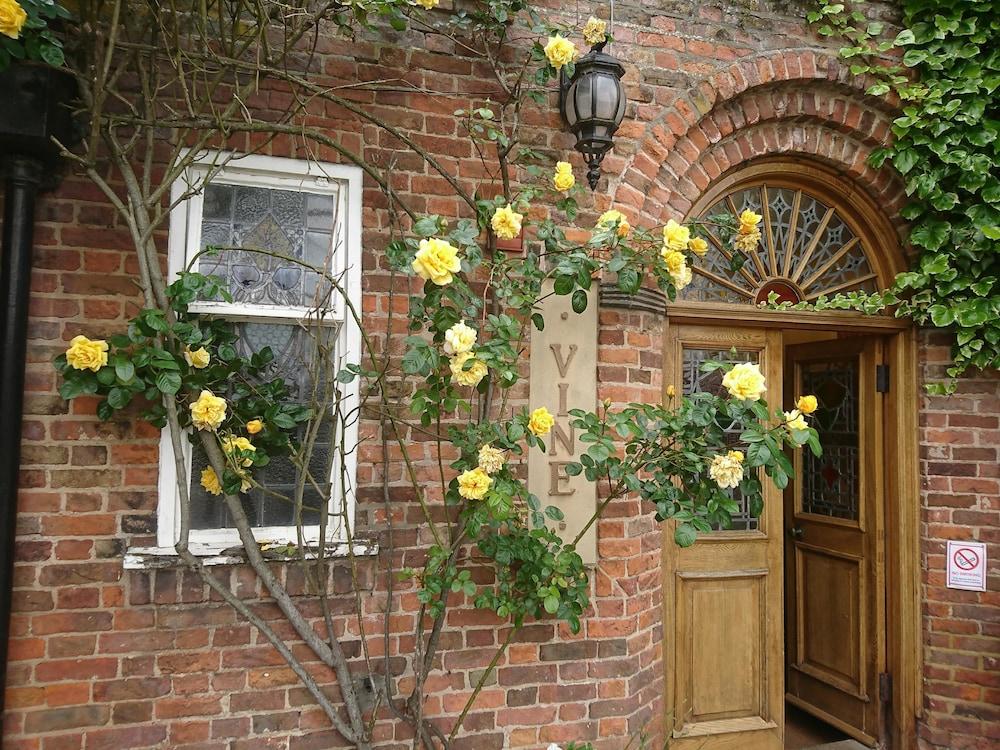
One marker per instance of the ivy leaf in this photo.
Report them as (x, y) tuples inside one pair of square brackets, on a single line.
[(931, 235), (942, 315), (972, 313), (905, 160)]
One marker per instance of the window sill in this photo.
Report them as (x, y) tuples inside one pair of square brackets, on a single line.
[(153, 558)]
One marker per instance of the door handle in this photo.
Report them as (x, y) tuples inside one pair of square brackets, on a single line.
[(796, 532)]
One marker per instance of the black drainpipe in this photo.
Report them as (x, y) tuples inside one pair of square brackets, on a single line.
[(35, 111)]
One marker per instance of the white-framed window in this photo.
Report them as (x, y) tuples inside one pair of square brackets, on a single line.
[(297, 208)]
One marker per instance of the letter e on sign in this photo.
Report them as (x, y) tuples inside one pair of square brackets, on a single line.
[(966, 566)]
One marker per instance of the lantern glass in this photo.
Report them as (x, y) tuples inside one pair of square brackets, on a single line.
[(593, 105)]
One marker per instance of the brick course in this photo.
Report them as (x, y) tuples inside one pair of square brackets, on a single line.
[(104, 658)]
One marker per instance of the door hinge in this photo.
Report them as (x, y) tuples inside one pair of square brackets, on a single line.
[(882, 378), (885, 687)]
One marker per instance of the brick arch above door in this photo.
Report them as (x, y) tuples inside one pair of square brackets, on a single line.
[(795, 102)]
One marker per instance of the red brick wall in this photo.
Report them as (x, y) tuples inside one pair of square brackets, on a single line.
[(106, 659), (960, 439)]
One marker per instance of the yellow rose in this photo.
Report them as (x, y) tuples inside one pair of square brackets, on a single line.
[(474, 484), (563, 178), (506, 222), (749, 221), (676, 236), (795, 421), (677, 267), (747, 243), (436, 260), (671, 391), (682, 278), (198, 359), (610, 218), (231, 444), (254, 426), (698, 246), (84, 354), (459, 339), (210, 481), (208, 412), (726, 470), (491, 459), (745, 382), (560, 51), (541, 421), (674, 260), (467, 376), (806, 404), (595, 31), (426, 4), (12, 18)]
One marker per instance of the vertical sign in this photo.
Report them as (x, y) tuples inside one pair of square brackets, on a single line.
[(563, 376), (966, 565)]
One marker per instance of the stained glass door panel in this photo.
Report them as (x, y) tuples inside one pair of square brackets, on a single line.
[(696, 380)]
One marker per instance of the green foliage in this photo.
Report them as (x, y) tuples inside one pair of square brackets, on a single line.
[(667, 450), (666, 454), (947, 149), (40, 39), (148, 362)]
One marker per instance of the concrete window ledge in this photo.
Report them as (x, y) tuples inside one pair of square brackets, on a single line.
[(153, 558)]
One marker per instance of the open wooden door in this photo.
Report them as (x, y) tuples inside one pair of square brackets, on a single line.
[(835, 619), (722, 595)]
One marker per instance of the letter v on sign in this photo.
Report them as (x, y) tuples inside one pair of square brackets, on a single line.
[(557, 353)]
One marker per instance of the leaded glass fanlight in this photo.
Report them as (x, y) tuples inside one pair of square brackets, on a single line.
[(807, 249)]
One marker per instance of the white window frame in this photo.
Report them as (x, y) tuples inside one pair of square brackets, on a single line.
[(184, 241)]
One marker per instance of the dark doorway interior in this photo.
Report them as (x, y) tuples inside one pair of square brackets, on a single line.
[(803, 731)]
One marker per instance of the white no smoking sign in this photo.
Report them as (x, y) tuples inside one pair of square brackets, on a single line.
[(967, 566)]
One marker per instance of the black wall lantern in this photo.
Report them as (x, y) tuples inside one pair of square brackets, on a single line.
[(593, 104)]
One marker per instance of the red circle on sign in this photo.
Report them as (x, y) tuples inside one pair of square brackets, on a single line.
[(965, 558)]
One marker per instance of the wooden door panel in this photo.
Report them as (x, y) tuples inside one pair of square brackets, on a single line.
[(722, 598), (834, 582), (830, 603), (720, 617)]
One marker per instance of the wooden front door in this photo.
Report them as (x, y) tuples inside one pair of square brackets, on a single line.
[(722, 595), (834, 607)]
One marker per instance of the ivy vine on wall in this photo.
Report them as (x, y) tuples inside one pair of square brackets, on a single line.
[(947, 148)]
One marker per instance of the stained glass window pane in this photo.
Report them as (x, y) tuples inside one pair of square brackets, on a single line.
[(697, 381), (293, 347), (287, 222), (831, 481), (806, 250)]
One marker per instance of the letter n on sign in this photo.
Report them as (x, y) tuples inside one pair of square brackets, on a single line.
[(563, 377)]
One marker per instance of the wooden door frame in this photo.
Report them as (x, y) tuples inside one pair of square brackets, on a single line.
[(904, 651)]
